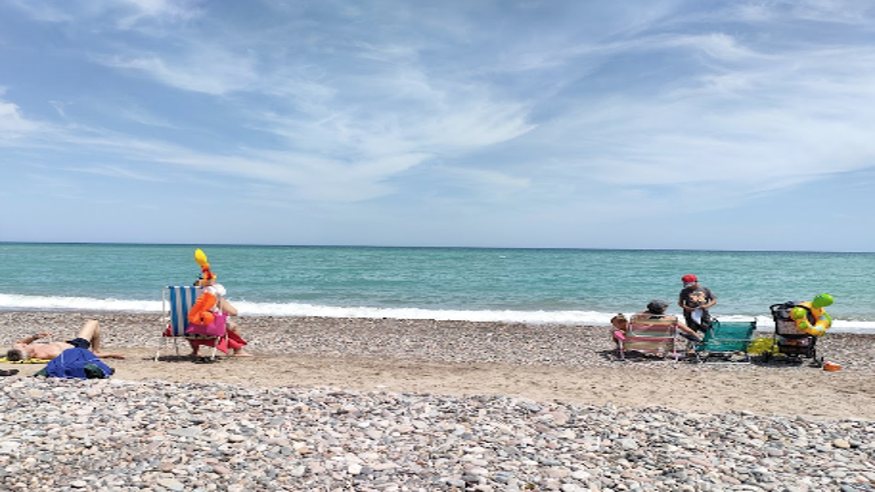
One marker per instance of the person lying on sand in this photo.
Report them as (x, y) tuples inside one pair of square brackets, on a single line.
[(87, 338)]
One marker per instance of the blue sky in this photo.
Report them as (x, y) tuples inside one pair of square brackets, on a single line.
[(744, 125)]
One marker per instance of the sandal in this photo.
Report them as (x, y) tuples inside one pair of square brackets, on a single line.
[(10, 372)]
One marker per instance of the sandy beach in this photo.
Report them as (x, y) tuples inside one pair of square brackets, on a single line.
[(393, 405), (542, 362)]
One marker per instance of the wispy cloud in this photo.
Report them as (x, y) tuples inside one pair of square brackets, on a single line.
[(558, 108), (209, 71), (119, 172), (121, 15), (12, 123)]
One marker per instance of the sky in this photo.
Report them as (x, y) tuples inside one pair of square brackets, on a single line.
[(642, 124)]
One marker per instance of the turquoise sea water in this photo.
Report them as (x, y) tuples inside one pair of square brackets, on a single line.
[(532, 285)]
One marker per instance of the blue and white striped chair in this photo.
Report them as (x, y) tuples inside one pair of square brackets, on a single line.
[(177, 301)]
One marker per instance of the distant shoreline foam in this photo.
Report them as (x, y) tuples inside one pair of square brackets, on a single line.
[(80, 304)]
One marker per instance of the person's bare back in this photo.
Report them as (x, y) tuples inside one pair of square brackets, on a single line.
[(87, 338)]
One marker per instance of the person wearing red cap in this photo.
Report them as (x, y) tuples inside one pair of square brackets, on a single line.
[(695, 300)]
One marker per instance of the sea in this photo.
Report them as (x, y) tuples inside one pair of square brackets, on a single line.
[(537, 286)]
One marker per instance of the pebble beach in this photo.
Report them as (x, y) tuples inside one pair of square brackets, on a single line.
[(347, 404)]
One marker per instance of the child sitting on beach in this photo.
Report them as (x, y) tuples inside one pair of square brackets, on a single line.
[(620, 325)]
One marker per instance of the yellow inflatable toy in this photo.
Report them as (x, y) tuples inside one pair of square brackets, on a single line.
[(822, 320), (201, 258)]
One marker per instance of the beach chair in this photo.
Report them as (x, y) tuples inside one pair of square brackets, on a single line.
[(176, 303), (725, 340), (649, 335)]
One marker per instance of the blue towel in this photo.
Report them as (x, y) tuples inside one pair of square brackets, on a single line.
[(78, 363)]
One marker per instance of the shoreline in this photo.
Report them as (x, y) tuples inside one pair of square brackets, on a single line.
[(542, 362), (533, 318)]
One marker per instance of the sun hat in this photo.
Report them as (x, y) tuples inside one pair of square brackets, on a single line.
[(657, 306), (689, 279)]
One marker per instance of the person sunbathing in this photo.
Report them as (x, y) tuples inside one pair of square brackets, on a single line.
[(87, 338)]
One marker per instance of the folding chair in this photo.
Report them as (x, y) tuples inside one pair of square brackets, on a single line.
[(655, 335), (177, 301), (725, 340)]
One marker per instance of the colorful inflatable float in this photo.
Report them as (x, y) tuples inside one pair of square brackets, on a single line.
[(810, 317)]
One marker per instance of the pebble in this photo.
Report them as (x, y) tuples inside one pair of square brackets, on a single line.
[(431, 442), (204, 436)]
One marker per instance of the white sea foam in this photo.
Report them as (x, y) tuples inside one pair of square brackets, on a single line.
[(37, 303), (40, 303)]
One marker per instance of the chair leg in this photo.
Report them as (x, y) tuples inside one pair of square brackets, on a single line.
[(215, 349)]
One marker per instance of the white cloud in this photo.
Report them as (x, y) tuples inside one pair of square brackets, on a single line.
[(13, 124), (209, 71), (557, 109), (164, 11), (119, 172), (123, 14)]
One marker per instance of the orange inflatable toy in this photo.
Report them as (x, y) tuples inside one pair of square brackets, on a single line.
[(200, 313)]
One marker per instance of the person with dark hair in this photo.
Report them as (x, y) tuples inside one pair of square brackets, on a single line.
[(88, 338), (656, 309), (695, 300)]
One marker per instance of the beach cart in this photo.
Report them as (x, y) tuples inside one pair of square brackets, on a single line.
[(790, 344), (726, 341)]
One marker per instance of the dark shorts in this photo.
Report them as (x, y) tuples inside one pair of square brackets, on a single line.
[(80, 343)]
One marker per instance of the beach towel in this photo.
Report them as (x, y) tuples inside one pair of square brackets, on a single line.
[(77, 363), (4, 360)]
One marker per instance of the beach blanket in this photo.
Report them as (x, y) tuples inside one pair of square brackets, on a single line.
[(4, 360)]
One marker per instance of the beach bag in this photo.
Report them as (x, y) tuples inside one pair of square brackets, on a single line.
[(77, 363), (214, 329)]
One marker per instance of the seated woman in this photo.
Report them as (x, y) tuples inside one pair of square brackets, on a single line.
[(235, 341), (656, 309)]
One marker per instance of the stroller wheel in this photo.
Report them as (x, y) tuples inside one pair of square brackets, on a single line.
[(815, 361)]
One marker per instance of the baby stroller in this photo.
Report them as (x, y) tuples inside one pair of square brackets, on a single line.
[(788, 340)]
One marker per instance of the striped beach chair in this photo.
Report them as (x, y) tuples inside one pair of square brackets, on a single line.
[(648, 334), (177, 301)]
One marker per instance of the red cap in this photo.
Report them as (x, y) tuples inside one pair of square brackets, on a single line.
[(689, 279)]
